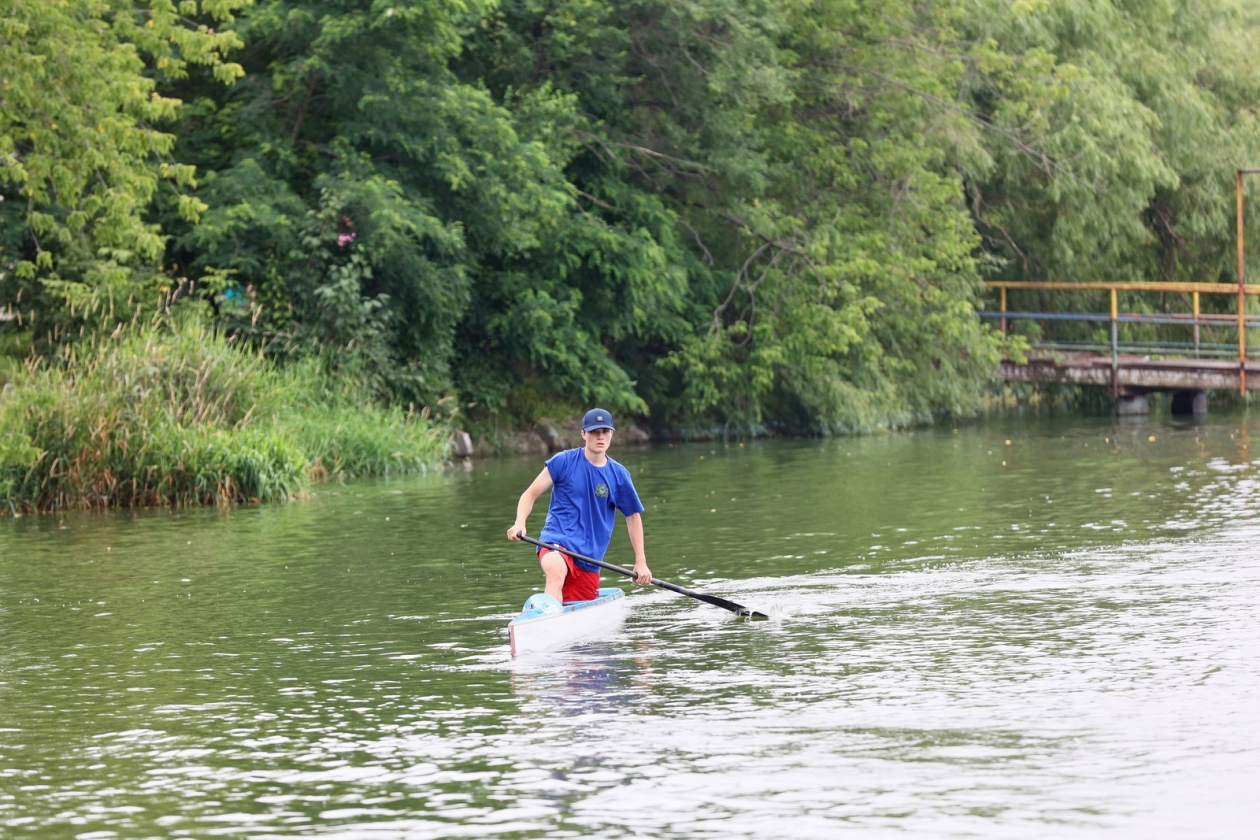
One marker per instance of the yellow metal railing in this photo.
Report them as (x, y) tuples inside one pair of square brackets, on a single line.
[(1194, 319), (1194, 289)]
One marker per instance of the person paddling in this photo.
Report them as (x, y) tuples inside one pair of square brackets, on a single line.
[(587, 489)]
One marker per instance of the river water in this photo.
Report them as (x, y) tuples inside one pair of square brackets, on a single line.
[(1026, 628)]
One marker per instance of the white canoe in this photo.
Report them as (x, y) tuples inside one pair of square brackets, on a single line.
[(546, 625)]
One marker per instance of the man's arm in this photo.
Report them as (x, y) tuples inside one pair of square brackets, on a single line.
[(634, 524), (526, 504)]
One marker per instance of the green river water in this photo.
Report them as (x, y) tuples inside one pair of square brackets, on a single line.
[(1032, 627)]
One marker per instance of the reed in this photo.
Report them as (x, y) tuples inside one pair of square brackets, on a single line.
[(353, 443), (174, 414)]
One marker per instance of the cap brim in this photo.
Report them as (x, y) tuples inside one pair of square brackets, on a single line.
[(600, 426)]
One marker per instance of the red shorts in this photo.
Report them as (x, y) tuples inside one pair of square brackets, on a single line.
[(579, 584)]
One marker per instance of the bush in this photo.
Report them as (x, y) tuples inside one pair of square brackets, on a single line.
[(174, 414), (377, 442)]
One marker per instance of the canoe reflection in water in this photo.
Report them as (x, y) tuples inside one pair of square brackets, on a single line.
[(595, 678)]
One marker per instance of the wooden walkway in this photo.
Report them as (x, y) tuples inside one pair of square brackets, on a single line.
[(1133, 374), (1134, 377), (1153, 363)]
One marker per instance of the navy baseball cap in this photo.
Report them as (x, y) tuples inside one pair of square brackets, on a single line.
[(597, 418)]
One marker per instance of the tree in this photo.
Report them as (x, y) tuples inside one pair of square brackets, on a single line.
[(802, 155), (80, 156), (723, 213), (1113, 157), (362, 196)]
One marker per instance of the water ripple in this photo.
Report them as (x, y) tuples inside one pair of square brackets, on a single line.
[(956, 649)]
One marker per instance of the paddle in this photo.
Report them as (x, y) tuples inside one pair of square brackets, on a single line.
[(663, 584)]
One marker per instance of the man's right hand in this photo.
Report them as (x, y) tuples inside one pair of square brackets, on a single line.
[(514, 533)]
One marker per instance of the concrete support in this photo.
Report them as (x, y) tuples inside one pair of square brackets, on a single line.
[(1132, 405), (1189, 403), (461, 444)]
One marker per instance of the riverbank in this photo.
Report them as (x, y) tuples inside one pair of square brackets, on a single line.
[(546, 436), (176, 415)]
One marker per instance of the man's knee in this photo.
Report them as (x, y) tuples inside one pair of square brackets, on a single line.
[(553, 565)]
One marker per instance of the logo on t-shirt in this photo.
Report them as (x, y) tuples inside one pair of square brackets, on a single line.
[(601, 490)]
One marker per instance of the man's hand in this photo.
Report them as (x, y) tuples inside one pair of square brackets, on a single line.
[(642, 574), (634, 527), (514, 533)]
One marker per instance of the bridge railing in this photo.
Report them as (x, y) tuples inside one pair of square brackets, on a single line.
[(1193, 321)]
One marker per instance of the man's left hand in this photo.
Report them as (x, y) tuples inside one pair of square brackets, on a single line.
[(642, 574)]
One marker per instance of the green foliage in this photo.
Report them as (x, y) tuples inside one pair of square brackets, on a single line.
[(363, 197), (176, 414), (80, 158), (801, 151), (1113, 156), (351, 442), (330, 413), (716, 212)]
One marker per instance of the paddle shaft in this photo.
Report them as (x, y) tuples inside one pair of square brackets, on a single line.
[(663, 584)]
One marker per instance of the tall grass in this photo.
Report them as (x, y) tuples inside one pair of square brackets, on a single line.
[(174, 414)]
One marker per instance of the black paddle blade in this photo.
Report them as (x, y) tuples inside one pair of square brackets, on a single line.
[(729, 605)]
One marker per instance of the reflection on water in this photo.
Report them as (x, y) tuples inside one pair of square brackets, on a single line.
[(1025, 629), (584, 680)]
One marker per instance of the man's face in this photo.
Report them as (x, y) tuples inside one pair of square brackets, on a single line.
[(597, 439)]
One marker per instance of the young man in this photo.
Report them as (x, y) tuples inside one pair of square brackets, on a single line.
[(587, 489)]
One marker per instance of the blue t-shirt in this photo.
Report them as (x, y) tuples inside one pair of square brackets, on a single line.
[(584, 502)]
